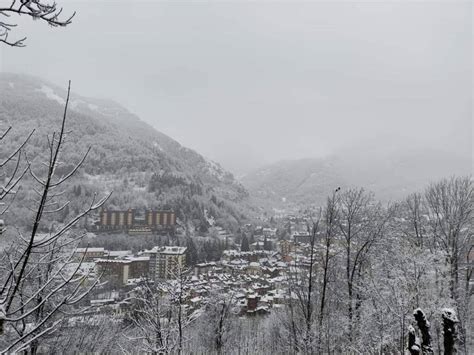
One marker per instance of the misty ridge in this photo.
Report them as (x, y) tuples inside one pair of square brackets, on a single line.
[(227, 178)]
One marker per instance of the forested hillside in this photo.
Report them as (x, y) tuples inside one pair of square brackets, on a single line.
[(142, 166), (390, 175)]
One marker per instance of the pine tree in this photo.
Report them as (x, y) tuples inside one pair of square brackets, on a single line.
[(244, 246), (191, 252), (266, 244)]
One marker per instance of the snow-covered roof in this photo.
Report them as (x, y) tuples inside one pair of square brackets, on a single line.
[(90, 250), (116, 261), (138, 258), (173, 250), (117, 253)]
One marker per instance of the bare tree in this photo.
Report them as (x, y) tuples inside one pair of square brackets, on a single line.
[(220, 310), (38, 280), (361, 222), (177, 288), (41, 10), (390, 297), (414, 209), (159, 315), (306, 291), (12, 176), (308, 284), (302, 296), (87, 334), (451, 212), (153, 325), (330, 216)]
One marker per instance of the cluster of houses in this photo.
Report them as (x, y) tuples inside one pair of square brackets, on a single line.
[(256, 281), (120, 268)]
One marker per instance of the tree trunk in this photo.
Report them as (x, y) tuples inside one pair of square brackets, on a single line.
[(449, 331), (413, 342), (424, 327)]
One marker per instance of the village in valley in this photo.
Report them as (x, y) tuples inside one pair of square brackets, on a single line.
[(254, 272)]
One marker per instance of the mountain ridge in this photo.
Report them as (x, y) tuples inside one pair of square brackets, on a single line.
[(390, 176), (125, 151)]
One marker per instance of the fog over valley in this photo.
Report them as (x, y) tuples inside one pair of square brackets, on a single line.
[(249, 84)]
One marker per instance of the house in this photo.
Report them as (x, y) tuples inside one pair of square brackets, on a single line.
[(254, 269), (252, 302), (269, 232), (302, 238), (204, 268)]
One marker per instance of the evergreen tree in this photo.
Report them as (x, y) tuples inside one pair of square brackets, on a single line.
[(251, 240), (191, 252), (267, 245), (244, 246)]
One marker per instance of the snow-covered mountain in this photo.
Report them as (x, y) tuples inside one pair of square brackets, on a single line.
[(391, 176), (127, 154)]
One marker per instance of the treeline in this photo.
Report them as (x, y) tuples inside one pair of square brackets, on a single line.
[(373, 265), (385, 279)]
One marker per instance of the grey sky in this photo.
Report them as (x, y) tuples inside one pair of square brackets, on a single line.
[(248, 83)]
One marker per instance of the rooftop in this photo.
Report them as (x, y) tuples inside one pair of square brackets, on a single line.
[(90, 250), (173, 250)]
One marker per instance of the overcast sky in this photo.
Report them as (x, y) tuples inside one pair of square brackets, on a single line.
[(248, 83)]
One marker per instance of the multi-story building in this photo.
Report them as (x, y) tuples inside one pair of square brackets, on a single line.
[(166, 262), (286, 247), (119, 271), (137, 223), (116, 219), (114, 271)]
